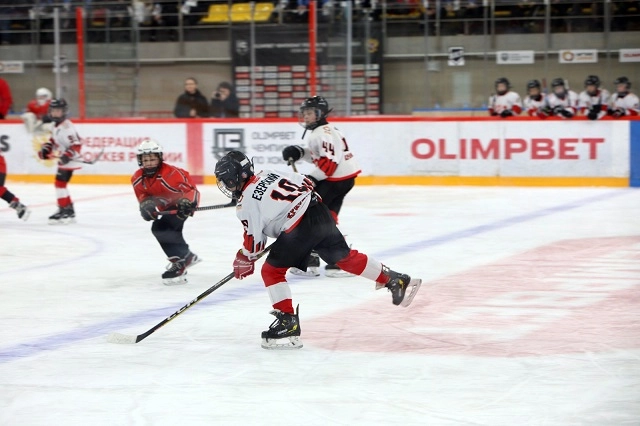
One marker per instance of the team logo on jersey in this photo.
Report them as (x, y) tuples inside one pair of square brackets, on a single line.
[(225, 140)]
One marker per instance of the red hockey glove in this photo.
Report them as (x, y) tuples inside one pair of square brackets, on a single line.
[(148, 209), (242, 266), (67, 156), (45, 151)]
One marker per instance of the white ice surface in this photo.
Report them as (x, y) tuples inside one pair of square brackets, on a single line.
[(529, 314)]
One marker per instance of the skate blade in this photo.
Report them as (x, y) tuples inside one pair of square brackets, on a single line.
[(294, 342), (26, 215), (175, 281), (310, 272), (337, 273), (415, 286), (66, 221)]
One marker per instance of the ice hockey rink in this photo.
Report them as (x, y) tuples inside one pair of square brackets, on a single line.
[(529, 314)]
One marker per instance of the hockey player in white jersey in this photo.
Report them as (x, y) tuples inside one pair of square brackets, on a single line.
[(335, 166), (284, 206), (561, 102), (504, 102), (623, 102), (593, 101), (65, 145), (535, 100)]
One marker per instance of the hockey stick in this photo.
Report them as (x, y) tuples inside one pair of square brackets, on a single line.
[(94, 161), (292, 164), (128, 339), (197, 209)]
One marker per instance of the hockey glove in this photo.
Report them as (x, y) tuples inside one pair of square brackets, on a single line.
[(45, 151), (557, 110), (294, 152), (618, 112), (148, 209), (506, 113), (185, 208), (566, 113), (242, 266), (593, 115)]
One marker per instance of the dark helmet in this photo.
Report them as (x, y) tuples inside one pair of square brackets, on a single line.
[(321, 108), (557, 82), (149, 146), (232, 173), (592, 80), (622, 80), (533, 84), (58, 104), (505, 81)]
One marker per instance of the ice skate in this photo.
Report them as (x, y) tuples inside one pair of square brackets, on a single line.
[(191, 259), (334, 271), (22, 210), (63, 216), (313, 267), (176, 272), (283, 333), (398, 285)]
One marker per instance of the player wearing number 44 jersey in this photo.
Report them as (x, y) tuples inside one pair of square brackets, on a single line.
[(335, 167), (284, 206)]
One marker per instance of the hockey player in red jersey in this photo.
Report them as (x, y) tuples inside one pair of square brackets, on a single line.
[(505, 102), (623, 102), (158, 187), (335, 166), (65, 145), (284, 206), (8, 196)]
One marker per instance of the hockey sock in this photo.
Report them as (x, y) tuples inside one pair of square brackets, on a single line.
[(277, 287), (6, 195), (363, 265)]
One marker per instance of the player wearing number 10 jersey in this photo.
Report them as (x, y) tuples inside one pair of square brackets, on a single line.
[(284, 206)]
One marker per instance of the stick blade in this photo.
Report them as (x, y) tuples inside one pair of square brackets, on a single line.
[(121, 338)]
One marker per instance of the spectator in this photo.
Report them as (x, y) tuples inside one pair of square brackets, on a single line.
[(5, 98), (504, 102), (224, 102), (623, 102), (192, 103), (593, 101), (535, 100)]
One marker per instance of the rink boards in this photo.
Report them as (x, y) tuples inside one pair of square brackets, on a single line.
[(390, 150)]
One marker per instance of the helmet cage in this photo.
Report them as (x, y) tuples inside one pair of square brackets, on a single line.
[(232, 172), (58, 104), (319, 105)]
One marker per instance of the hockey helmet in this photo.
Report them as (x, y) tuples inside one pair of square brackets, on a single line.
[(505, 82), (319, 106), (43, 95), (533, 84), (555, 84), (622, 80), (58, 104), (592, 80), (232, 173), (149, 147)]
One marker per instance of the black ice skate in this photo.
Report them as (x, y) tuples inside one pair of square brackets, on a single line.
[(176, 272), (22, 210), (63, 216), (284, 332), (191, 259), (313, 267), (398, 285)]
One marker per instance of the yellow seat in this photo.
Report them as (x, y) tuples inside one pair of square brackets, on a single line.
[(218, 14), (262, 12), (241, 12)]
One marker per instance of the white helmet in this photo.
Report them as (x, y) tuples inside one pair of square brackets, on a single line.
[(149, 146), (43, 95)]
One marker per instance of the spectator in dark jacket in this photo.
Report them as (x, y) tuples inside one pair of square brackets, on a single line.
[(192, 103), (224, 102)]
